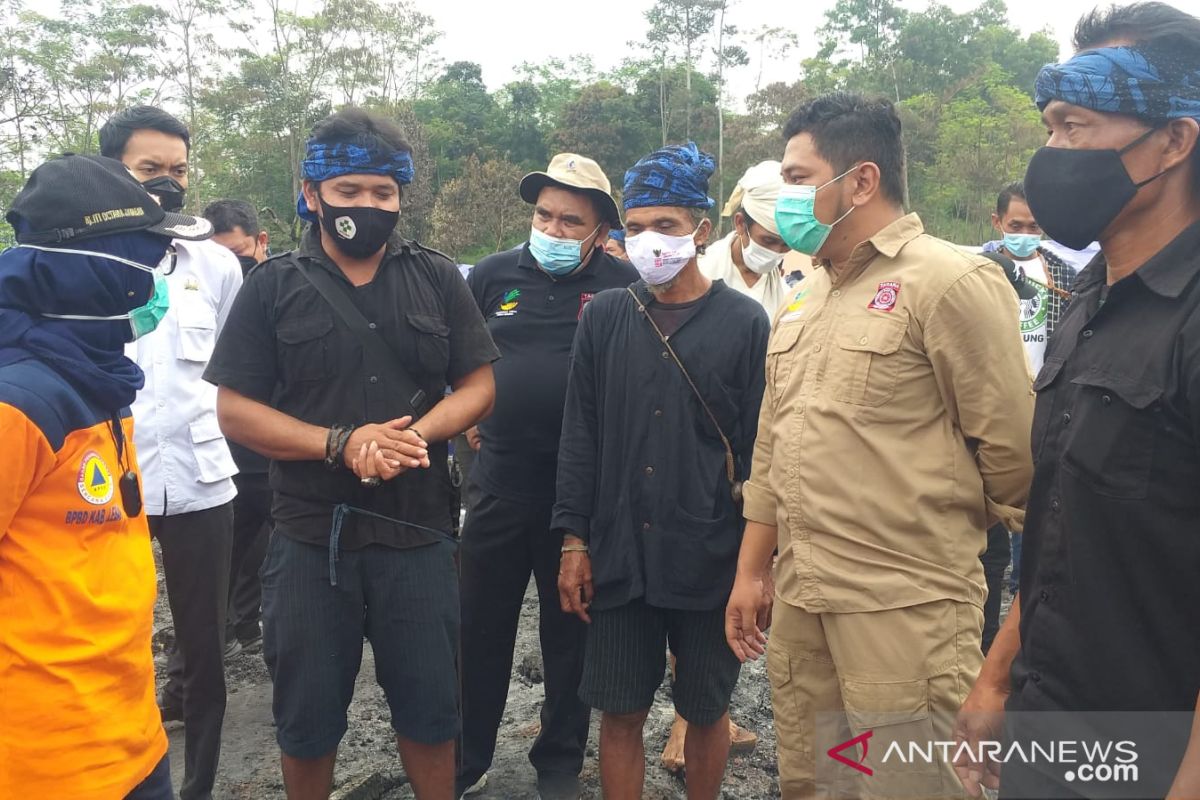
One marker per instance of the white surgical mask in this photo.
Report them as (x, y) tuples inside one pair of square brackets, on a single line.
[(759, 259), (657, 257)]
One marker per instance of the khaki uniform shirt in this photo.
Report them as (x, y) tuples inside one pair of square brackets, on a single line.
[(895, 426)]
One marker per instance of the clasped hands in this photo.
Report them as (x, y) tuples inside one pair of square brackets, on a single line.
[(385, 450)]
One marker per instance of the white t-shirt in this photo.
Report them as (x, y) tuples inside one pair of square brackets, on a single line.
[(1034, 314)]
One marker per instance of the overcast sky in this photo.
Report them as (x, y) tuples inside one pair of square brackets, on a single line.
[(500, 34)]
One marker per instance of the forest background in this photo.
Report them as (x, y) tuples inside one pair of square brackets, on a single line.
[(251, 78)]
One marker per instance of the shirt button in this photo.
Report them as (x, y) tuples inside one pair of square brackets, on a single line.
[(551, 297), (162, 404), (1106, 400), (645, 526), (1045, 596), (862, 340), (817, 349), (1055, 505), (649, 471), (665, 354), (371, 325), (1087, 334), (658, 412), (1066, 417), (1036, 677), (837, 292), (373, 379)]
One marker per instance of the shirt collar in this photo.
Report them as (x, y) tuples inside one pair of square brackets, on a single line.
[(310, 247), (1170, 270), (887, 242), (1167, 273)]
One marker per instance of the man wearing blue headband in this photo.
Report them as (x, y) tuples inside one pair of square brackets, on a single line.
[(1108, 615), (333, 364), (615, 245), (662, 402)]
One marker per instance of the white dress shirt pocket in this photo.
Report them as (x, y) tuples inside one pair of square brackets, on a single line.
[(212, 453), (197, 329)]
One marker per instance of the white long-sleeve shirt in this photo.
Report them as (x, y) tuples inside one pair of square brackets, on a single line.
[(184, 459)]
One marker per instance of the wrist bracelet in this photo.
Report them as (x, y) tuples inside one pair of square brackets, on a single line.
[(418, 433), (574, 548), (335, 446)]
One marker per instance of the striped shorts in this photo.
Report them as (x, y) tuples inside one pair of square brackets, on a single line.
[(626, 658)]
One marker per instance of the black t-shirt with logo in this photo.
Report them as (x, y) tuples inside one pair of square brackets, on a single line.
[(532, 317)]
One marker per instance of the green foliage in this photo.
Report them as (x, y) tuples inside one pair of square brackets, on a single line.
[(251, 77)]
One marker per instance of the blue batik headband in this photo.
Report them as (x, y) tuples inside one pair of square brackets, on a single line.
[(1151, 84), (363, 156), (673, 176)]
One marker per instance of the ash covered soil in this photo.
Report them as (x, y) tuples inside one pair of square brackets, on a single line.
[(369, 767)]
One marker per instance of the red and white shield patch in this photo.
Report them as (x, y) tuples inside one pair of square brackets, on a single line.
[(584, 299), (885, 296)]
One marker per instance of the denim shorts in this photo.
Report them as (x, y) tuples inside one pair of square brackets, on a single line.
[(405, 602)]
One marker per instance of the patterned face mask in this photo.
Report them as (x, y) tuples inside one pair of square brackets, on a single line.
[(657, 257)]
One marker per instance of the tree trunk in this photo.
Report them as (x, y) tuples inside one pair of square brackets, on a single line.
[(687, 80)]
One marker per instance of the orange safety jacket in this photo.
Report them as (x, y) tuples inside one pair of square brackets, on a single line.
[(78, 717)]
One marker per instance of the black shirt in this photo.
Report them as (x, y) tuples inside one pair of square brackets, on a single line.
[(532, 317), (641, 470), (1110, 576), (284, 345)]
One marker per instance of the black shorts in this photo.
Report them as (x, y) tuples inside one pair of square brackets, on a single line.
[(404, 601), (626, 658)]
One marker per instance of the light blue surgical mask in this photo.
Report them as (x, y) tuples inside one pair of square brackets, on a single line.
[(1022, 245), (557, 256), (143, 319), (798, 225)]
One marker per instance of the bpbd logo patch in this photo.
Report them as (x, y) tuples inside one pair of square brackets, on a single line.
[(95, 482)]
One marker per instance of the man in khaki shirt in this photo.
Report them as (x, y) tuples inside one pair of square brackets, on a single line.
[(894, 429)]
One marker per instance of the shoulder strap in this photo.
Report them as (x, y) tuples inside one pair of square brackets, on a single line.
[(372, 341), (730, 470)]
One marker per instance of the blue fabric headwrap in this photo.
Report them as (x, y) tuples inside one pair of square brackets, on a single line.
[(365, 155), (673, 176), (617, 236), (89, 355), (1148, 83)]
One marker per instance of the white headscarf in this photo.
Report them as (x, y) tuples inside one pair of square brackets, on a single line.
[(757, 192)]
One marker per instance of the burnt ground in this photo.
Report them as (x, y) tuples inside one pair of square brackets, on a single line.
[(369, 768)]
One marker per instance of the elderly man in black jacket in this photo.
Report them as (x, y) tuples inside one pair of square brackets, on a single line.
[(662, 408)]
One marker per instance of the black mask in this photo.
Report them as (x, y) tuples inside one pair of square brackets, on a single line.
[(1075, 194), (168, 191), (358, 231), (248, 263)]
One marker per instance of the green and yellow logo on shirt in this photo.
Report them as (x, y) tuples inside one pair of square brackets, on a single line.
[(508, 305), (95, 480), (795, 309)]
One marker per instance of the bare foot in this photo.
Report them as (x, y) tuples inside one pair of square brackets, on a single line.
[(740, 739), (672, 756)]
